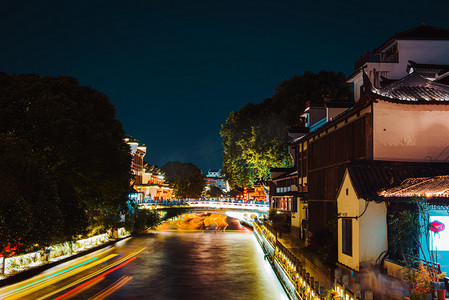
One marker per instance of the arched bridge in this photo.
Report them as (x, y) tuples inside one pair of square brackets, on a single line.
[(238, 209), (247, 215)]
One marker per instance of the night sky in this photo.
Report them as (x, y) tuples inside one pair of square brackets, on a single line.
[(175, 69)]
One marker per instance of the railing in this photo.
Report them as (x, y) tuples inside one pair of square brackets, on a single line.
[(240, 205), (375, 57), (298, 281), (305, 286), (318, 124), (416, 262), (19, 263)]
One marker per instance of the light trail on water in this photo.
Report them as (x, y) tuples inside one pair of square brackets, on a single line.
[(94, 276), (49, 276), (95, 279), (112, 289), (20, 294)]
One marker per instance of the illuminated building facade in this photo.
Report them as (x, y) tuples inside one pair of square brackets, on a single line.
[(424, 44), (153, 186), (371, 191), (435, 191), (401, 120), (148, 180), (400, 116), (258, 193), (213, 178)]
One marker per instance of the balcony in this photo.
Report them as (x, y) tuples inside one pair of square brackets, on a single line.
[(378, 57)]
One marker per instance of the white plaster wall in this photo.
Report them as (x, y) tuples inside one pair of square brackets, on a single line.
[(423, 52), (332, 112), (410, 132), (373, 231), (348, 205)]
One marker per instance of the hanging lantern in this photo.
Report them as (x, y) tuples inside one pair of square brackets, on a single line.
[(436, 226)]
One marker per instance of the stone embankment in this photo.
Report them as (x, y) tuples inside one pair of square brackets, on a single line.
[(301, 276)]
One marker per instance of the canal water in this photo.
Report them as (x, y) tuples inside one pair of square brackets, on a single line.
[(212, 263)]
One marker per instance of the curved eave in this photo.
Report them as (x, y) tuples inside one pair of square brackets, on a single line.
[(417, 102), (436, 201)]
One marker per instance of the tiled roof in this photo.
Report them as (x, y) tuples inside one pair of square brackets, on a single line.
[(437, 186), (371, 177), (422, 32), (443, 79), (286, 175), (436, 68), (415, 87)]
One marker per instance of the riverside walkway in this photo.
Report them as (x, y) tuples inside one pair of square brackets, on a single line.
[(310, 261), (302, 274)]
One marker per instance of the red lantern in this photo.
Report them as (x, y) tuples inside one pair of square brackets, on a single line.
[(436, 226)]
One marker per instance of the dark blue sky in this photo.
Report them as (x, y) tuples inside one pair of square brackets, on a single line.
[(175, 69)]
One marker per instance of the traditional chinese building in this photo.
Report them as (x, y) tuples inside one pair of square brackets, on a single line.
[(373, 190), (258, 193), (395, 119), (148, 181), (425, 44), (213, 178)]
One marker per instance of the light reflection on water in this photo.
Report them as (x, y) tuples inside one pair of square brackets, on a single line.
[(201, 265), (201, 221)]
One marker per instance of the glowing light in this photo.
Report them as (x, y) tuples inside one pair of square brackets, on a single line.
[(436, 226), (95, 279), (92, 275), (50, 282), (114, 287), (86, 287), (52, 275)]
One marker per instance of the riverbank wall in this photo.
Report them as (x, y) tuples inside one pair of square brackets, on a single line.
[(295, 276), (22, 266), (296, 281)]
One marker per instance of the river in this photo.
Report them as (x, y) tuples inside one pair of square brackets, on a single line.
[(196, 256), (209, 264)]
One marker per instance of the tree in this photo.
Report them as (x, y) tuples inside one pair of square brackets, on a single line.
[(214, 192), (406, 230), (232, 193), (255, 137), (138, 220), (29, 202), (75, 147), (185, 179)]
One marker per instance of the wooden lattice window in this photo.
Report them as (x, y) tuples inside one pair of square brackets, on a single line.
[(347, 236)]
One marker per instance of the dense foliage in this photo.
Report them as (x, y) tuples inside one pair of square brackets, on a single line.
[(213, 192), (255, 137), (63, 163), (186, 179), (138, 220)]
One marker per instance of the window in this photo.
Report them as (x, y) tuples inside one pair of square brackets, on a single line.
[(346, 235), (294, 205)]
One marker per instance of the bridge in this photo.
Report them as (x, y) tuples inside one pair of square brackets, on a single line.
[(246, 215), (244, 211)]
